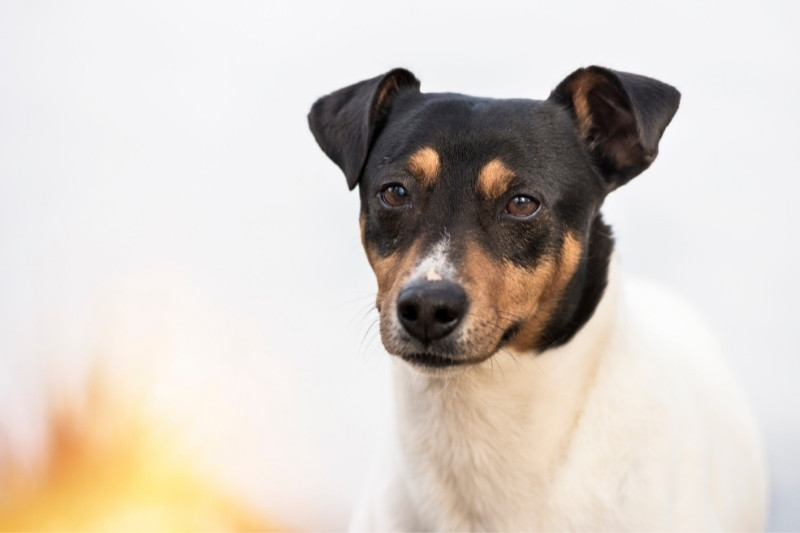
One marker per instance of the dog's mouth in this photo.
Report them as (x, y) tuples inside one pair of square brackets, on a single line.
[(431, 360), (434, 360), (508, 335)]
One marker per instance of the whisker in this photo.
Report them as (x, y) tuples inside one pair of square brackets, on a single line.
[(370, 333), (350, 301)]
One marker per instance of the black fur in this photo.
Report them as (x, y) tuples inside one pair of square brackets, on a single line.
[(345, 122)]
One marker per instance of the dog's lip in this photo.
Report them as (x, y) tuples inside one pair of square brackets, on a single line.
[(509, 334), (433, 360)]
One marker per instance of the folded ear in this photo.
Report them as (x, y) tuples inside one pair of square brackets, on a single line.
[(620, 116), (345, 122)]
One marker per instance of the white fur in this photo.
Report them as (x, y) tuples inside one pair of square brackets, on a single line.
[(635, 424), (435, 265)]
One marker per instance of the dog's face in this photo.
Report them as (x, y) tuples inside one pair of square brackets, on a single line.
[(474, 212), (480, 216)]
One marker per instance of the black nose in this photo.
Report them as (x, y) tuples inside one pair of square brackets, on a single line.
[(429, 310)]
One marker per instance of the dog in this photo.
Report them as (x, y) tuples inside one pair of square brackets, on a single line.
[(533, 390)]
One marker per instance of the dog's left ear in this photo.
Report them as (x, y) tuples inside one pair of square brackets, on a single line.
[(620, 117), (345, 122)]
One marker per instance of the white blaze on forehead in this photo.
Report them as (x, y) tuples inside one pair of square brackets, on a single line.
[(435, 266)]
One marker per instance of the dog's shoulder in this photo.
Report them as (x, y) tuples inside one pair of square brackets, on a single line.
[(689, 413)]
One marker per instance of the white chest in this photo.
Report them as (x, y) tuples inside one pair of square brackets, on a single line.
[(620, 429)]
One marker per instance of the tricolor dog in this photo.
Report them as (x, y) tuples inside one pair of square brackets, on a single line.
[(533, 390)]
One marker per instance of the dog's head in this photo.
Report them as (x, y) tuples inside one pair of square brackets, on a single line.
[(480, 217)]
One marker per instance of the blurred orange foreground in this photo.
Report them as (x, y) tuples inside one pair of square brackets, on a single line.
[(107, 467)]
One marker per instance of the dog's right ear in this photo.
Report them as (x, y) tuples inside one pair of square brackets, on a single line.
[(345, 122)]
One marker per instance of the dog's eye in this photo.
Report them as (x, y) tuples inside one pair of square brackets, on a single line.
[(394, 196), (522, 206)]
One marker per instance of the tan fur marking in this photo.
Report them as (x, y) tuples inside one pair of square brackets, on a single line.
[(390, 271), (571, 252), (494, 179), (558, 278), (389, 87), (425, 165), (362, 223), (504, 294), (580, 91)]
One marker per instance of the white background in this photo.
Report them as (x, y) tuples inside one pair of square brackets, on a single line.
[(162, 140)]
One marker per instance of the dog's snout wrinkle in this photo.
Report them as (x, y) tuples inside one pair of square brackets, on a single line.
[(430, 310)]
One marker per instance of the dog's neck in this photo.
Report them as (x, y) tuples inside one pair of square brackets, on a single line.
[(507, 418)]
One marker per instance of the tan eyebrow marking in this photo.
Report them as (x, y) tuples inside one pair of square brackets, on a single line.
[(494, 179), (424, 164)]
